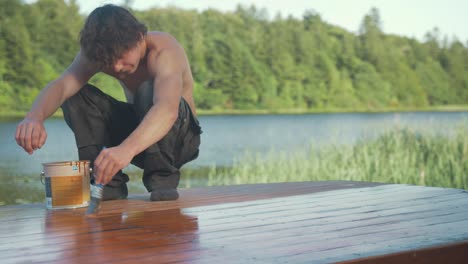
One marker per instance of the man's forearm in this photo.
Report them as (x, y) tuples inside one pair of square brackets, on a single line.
[(154, 126), (53, 96)]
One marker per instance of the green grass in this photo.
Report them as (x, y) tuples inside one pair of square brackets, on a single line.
[(21, 190), (398, 156)]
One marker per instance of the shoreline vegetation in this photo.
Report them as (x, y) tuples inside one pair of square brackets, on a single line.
[(8, 115), (247, 59), (399, 156)]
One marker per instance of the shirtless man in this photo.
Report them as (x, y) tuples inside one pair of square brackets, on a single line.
[(156, 129)]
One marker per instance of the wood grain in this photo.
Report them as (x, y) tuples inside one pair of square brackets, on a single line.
[(307, 222)]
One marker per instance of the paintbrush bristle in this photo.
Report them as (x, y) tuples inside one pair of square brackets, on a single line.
[(96, 196)]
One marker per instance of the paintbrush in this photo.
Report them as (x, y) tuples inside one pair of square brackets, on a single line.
[(96, 196)]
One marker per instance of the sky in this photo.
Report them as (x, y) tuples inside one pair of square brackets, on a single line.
[(411, 18)]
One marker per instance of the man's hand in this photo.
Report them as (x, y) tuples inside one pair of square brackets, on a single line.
[(30, 135), (109, 162)]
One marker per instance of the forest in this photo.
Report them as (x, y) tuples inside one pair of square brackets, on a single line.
[(247, 60)]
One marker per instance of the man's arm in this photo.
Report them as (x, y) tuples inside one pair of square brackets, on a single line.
[(30, 133), (167, 69)]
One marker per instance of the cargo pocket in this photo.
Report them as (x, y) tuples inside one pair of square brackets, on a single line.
[(191, 142)]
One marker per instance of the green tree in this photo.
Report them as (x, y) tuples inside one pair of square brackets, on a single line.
[(245, 60), (372, 38)]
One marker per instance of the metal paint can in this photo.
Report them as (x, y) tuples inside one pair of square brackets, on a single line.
[(67, 184)]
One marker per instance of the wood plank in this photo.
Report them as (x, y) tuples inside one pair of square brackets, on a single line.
[(456, 253), (271, 223), (290, 207)]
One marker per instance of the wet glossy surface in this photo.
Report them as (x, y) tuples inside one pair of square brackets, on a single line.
[(308, 222)]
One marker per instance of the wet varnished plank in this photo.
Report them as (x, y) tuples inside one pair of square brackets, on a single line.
[(449, 253), (312, 222)]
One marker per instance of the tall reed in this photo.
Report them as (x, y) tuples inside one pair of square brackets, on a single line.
[(398, 156)]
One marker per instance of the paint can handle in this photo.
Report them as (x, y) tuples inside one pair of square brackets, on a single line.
[(42, 178), (91, 175)]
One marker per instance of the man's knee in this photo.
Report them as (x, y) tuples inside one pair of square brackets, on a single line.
[(80, 101)]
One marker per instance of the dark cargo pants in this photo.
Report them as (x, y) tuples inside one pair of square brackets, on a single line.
[(98, 121)]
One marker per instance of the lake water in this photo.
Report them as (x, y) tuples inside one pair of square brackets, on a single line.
[(226, 137)]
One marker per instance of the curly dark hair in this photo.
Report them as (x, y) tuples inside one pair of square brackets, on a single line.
[(108, 32)]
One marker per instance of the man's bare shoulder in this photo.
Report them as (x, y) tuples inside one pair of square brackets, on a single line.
[(165, 54), (81, 68), (81, 64), (161, 36), (162, 41)]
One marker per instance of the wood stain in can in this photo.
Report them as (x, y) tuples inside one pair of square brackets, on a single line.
[(67, 184)]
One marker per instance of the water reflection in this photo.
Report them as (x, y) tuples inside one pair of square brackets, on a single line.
[(124, 235)]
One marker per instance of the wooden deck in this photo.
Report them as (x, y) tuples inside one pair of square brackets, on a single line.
[(311, 222)]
